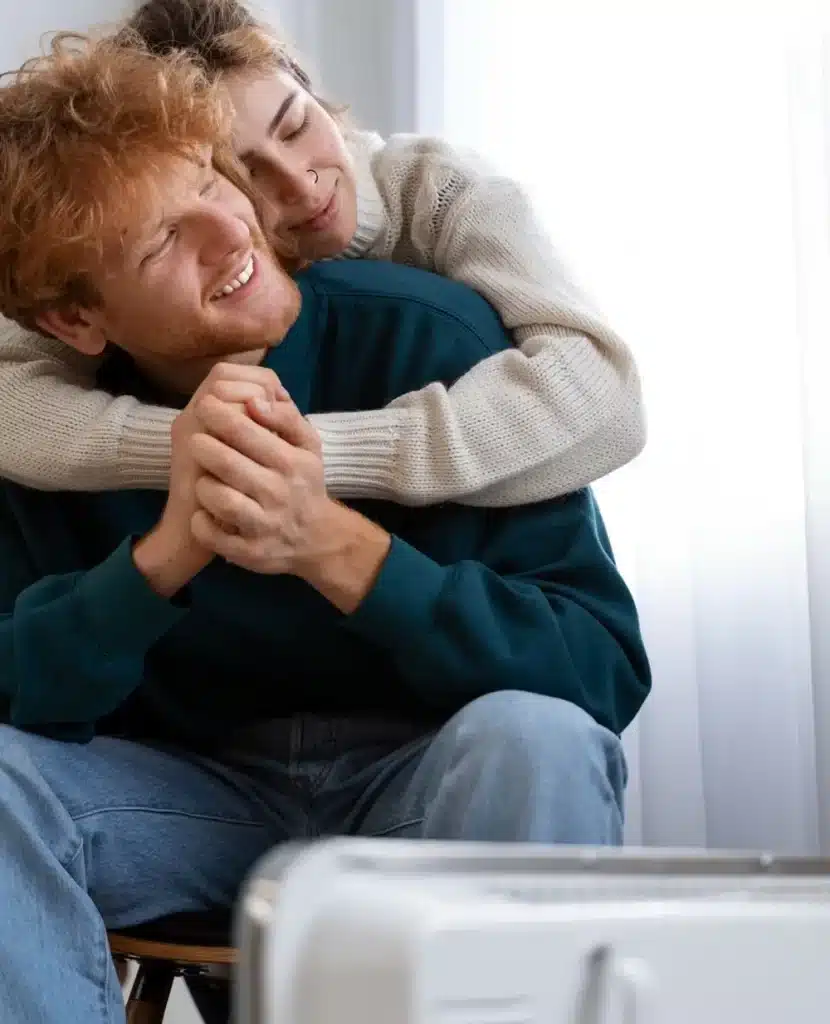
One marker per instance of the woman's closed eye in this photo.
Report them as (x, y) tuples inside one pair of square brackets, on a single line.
[(294, 133)]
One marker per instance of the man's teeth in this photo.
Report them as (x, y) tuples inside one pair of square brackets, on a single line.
[(243, 277)]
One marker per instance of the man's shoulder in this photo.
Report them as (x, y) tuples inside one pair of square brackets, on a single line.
[(409, 291)]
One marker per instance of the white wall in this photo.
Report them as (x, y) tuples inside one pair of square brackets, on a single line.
[(22, 33), (361, 52)]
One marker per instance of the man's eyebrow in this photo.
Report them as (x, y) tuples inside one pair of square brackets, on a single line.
[(280, 114)]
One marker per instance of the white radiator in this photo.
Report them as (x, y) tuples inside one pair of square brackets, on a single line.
[(352, 931)]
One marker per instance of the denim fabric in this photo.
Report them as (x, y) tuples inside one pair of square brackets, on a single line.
[(115, 833)]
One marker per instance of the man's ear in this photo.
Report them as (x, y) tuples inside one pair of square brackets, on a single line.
[(80, 328)]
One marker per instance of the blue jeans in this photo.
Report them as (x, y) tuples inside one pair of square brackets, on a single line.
[(115, 833)]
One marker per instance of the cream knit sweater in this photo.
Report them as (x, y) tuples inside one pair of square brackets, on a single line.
[(553, 414)]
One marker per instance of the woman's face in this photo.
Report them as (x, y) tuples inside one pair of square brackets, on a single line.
[(298, 161)]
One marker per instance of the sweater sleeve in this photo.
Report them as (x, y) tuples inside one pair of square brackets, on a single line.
[(72, 646), (556, 412), (544, 610), (61, 433)]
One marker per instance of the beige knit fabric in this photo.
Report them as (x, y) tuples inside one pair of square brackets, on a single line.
[(553, 414)]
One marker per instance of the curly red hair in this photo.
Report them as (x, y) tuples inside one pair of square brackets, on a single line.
[(79, 129)]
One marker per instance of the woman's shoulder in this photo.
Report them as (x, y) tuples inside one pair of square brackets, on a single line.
[(405, 153)]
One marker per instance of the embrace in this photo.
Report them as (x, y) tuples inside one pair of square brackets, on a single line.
[(291, 545)]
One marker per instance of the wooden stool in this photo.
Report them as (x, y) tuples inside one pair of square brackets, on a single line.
[(196, 947)]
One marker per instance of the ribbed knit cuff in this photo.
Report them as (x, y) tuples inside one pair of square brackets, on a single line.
[(144, 452), (360, 452)]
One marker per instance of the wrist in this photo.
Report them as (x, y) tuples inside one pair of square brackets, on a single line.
[(166, 562), (345, 563)]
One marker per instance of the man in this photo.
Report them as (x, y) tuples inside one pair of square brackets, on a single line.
[(189, 681)]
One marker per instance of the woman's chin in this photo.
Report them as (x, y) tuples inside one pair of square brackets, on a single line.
[(324, 246)]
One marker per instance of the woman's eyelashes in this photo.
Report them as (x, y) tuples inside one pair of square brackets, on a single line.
[(251, 165), (301, 127)]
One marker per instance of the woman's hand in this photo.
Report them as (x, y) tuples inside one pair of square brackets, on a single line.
[(261, 492)]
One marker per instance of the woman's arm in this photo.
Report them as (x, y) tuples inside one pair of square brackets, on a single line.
[(557, 412), (61, 433)]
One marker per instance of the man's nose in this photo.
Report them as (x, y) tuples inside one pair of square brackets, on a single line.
[(223, 234)]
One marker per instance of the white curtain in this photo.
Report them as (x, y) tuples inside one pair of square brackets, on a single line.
[(680, 162)]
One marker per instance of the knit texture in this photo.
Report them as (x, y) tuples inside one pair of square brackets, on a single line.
[(557, 412)]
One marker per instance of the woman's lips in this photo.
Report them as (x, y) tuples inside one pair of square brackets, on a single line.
[(324, 219)]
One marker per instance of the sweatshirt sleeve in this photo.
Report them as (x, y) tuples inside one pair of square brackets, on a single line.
[(557, 620), (556, 412), (61, 433), (72, 646)]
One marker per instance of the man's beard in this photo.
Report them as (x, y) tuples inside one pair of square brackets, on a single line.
[(216, 343), (197, 352)]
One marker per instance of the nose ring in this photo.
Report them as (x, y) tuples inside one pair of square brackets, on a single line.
[(316, 175)]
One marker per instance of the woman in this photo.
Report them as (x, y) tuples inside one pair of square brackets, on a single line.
[(558, 411)]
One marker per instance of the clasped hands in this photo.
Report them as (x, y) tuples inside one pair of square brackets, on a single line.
[(247, 471), (247, 484)]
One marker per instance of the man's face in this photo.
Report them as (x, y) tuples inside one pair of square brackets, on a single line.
[(188, 278)]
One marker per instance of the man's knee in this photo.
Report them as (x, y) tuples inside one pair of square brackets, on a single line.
[(529, 724), (520, 766), (531, 740)]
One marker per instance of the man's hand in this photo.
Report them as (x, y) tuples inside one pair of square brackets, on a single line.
[(170, 556), (261, 492), (264, 505)]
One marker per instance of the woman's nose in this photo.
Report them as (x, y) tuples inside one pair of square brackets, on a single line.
[(288, 184)]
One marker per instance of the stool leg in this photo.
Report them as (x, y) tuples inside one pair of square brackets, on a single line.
[(121, 969), (150, 992), (212, 997)]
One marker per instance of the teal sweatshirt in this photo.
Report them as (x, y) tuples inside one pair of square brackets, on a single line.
[(468, 601)]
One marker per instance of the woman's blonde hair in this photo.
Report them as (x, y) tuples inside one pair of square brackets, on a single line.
[(223, 35)]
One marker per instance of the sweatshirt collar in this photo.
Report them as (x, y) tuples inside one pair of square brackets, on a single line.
[(295, 359)]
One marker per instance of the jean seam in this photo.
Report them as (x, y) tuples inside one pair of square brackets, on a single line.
[(102, 945), (166, 812), (75, 855), (103, 954)]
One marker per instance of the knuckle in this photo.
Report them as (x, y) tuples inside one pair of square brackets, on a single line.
[(221, 389), (202, 405), (198, 442), (274, 489), (223, 461), (260, 549), (229, 509)]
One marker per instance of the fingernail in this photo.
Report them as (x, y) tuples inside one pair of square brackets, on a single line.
[(263, 406)]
